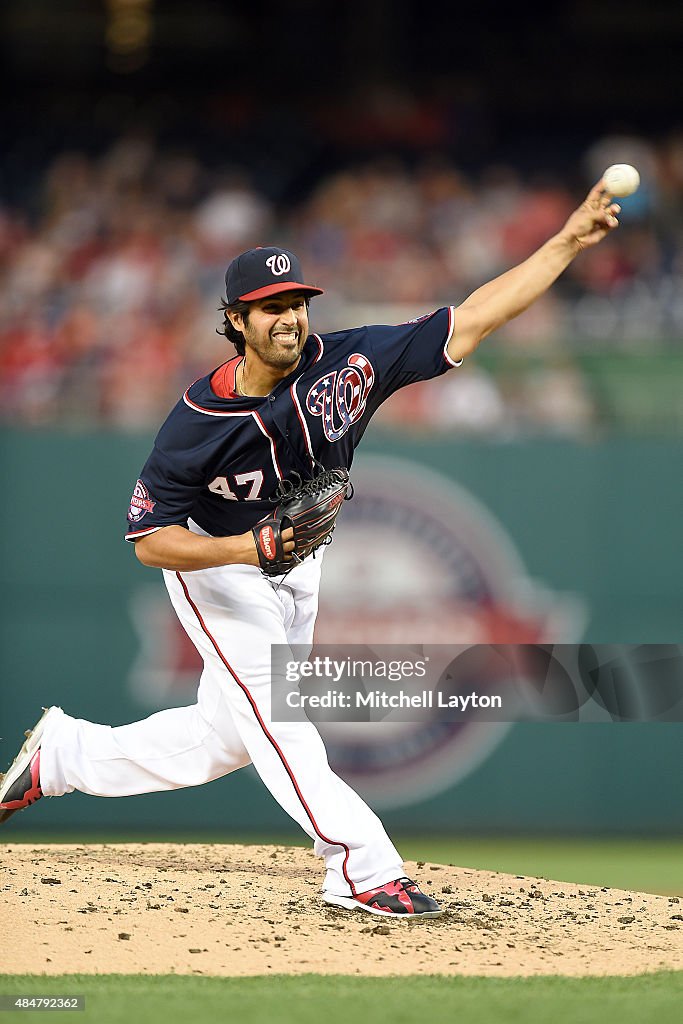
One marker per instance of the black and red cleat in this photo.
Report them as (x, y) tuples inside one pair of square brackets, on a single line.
[(20, 787), (401, 900), (23, 792)]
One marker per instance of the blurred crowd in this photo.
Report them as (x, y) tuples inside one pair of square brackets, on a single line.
[(111, 276)]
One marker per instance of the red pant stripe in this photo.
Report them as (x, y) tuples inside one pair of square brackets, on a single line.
[(271, 739)]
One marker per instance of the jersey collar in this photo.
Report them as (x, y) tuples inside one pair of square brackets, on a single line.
[(219, 386)]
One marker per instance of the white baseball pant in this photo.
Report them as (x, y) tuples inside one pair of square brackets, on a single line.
[(232, 615)]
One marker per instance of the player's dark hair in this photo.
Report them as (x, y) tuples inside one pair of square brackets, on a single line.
[(230, 332)]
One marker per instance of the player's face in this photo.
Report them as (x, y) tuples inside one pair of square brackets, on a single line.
[(276, 329)]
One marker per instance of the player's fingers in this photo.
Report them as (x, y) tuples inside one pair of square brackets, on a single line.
[(607, 203), (606, 211), (608, 218), (288, 540), (599, 197), (597, 192)]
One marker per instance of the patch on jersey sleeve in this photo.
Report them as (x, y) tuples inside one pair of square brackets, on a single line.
[(140, 503), (417, 319)]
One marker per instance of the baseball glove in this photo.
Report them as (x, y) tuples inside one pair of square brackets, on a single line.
[(310, 507)]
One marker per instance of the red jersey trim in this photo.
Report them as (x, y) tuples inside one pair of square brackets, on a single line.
[(210, 412), (302, 422), (320, 347), (134, 534), (451, 325), (297, 404), (273, 450), (223, 382)]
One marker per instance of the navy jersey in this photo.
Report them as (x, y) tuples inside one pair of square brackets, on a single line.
[(218, 460)]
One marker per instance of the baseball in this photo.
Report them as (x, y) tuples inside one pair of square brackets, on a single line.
[(621, 179)]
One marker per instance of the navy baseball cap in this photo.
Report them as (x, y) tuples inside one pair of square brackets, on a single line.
[(261, 272)]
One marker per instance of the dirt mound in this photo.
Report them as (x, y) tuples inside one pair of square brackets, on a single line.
[(160, 908)]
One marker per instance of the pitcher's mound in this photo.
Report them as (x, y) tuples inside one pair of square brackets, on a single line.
[(159, 908)]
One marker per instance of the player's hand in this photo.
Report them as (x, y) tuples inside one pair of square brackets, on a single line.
[(251, 554), (288, 539), (593, 220)]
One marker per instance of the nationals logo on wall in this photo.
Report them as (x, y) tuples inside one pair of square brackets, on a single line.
[(417, 560)]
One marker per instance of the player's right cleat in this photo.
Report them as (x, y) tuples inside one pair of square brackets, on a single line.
[(401, 900), (20, 787)]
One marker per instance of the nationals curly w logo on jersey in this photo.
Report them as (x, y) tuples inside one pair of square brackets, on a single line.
[(340, 397), (140, 503)]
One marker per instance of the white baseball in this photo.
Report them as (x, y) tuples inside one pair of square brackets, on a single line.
[(621, 179)]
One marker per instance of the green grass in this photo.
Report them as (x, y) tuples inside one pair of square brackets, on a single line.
[(309, 999), (647, 865)]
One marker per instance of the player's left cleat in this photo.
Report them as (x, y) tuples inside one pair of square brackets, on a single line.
[(400, 900), (20, 787)]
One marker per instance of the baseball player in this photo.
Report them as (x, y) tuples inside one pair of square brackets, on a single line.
[(290, 405)]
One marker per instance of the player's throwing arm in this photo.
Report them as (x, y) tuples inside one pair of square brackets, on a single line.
[(504, 298)]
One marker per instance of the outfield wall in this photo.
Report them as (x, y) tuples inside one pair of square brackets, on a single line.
[(598, 523)]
